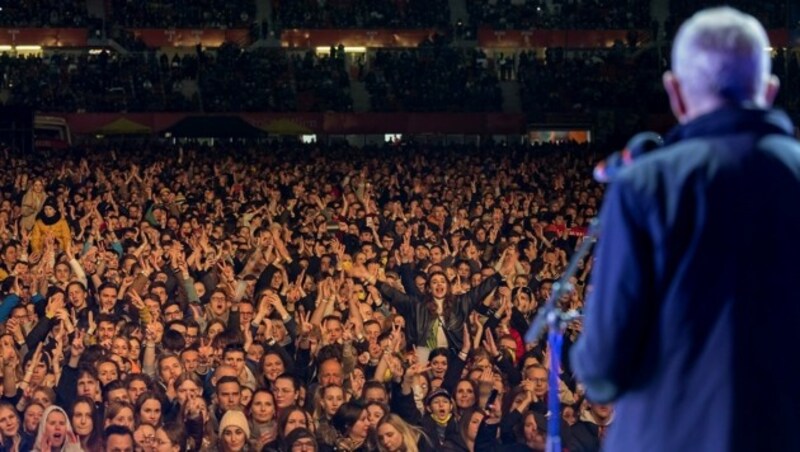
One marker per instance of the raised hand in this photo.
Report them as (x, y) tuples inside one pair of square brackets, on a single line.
[(523, 404), (92, 324), (397, 336), (77, 346), (304, 322), (415, 370), (269, 330), (489, 344), (509, 262), (205, 351), (55, 304), (37, 357), (395, 366), (150, 334), (466, 346), (347, 333), (137, 301)]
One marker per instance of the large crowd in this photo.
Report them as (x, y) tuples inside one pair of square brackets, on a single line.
[(226, 79), (97, 83), (44, 13), (432, 78), (580, 15), (173, 14), (429, 78), (591, 81), (289, 297), (376, 14), (361, 14)]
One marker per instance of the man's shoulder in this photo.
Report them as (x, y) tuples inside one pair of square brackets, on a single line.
[(704, 157)]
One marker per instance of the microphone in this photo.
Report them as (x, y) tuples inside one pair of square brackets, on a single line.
[(640, 144)]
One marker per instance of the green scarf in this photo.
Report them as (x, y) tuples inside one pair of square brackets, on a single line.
[(432, 341)]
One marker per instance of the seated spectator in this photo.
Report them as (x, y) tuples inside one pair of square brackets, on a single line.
[(45, 14), (171, 14), (435, 78), (575, 15), (362, 14)]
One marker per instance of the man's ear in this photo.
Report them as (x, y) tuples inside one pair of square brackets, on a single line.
[(773, 86), (676, 101)]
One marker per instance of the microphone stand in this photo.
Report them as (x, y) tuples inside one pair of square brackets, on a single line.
[(555, 321)]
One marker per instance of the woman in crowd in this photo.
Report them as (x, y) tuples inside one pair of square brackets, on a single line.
[(84, 413), (396, 435), (50, 225), (55, 433), (351, 424), (170, 437), (234, 433), (12, 437), (119, 413), (263, 419), (32, 204), (149, 409)]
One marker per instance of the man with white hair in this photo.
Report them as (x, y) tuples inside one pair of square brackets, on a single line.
[(691, 317)]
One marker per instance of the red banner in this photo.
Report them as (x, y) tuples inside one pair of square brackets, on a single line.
[(779, 37), (307, 39), (309, 123), (45, 37), (187, 37), (489, 38), (575, 231)]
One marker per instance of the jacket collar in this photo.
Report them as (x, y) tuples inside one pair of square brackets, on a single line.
[(731, 119)]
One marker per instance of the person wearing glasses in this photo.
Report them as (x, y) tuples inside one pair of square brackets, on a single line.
[(301, 440)]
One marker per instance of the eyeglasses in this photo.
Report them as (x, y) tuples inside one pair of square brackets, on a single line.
[(306, 444)]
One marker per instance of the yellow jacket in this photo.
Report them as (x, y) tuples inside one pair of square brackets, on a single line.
[(59, 229)]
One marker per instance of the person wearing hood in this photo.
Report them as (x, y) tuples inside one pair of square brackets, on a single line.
[(49, 221), (55, 432)]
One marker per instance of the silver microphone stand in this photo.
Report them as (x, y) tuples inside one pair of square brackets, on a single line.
[(555, 321)]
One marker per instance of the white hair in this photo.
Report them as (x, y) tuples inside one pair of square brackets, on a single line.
[(722, 53)]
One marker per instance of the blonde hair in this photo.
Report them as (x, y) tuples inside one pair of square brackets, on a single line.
[(410, 434)]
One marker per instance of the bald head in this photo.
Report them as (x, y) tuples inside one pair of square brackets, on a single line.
[(721, 56)]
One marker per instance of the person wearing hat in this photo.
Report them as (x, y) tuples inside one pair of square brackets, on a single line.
[(234, 432), (440, 425), (49, 221)]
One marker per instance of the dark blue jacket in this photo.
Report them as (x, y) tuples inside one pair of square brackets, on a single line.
[(695, 314)]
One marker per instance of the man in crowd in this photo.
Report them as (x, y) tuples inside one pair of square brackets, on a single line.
[(692, 266)]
